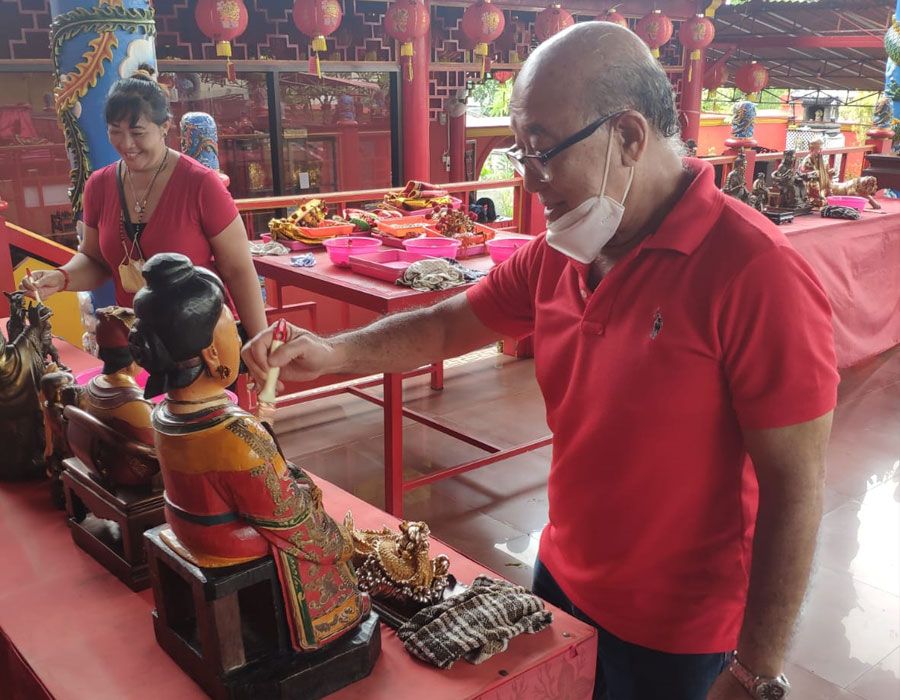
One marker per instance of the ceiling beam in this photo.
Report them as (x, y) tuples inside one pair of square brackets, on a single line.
[(843, 41)]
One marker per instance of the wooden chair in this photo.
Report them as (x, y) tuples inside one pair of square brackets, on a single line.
[(226, 628), (102, 458)]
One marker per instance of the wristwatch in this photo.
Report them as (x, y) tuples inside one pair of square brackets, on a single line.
[(759, 687)]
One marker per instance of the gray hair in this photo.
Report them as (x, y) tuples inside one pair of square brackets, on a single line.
[(639, 85)]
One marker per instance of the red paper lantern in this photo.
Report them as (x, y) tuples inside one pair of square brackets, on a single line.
[(222, 21), (611, 15), (695, 35), (405, 21), (502, 76), (655, 29), (317, 19), (715, 76), (552, 21), (751, 78), (483, 23)]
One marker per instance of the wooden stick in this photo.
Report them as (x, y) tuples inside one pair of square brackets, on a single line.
[(279, 336), (37, 294)]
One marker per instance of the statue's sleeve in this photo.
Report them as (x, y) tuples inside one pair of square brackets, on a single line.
[(282, 503)]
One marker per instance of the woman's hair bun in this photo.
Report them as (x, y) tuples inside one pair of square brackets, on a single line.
[(144, 72)]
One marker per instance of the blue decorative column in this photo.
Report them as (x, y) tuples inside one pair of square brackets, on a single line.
[(892, 70), (94, 43)]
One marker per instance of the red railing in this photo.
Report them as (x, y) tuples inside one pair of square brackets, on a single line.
[(33, 244), (727, 161), (338, 201)]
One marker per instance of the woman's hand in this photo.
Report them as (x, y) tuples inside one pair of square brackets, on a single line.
[(43, 283)]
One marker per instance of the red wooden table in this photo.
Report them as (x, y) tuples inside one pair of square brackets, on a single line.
[(346, 286), (70, 630), (858, 264)]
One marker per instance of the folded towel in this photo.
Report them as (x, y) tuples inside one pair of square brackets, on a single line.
[(474, 625)]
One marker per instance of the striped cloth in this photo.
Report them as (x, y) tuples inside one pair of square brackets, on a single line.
[(475, 624)]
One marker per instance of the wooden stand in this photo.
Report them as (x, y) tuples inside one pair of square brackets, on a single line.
[(227, 630), (886, 168), (119, 548)]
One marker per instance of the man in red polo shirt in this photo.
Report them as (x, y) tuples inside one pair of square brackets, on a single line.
[(685, 354)]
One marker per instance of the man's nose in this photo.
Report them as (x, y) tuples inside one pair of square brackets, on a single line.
[(532, 181)]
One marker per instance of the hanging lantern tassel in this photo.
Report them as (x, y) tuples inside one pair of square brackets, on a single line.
[(406, 52), (481, 49), (317, 45), (223, 50)]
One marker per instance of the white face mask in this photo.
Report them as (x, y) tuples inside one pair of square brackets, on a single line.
[(582, 232)]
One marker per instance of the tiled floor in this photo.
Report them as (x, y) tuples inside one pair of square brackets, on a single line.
[(847, 643)]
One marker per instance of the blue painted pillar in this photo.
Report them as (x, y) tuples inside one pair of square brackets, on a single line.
[(93, 44), (892, 69)]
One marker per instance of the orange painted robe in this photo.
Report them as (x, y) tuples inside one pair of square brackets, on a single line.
[(231, 497)]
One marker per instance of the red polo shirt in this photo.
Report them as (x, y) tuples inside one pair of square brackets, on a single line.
[(712, 325)]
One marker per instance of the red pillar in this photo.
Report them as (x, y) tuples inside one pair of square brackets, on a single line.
[(414, 97), (692, 97), (349, 160), (458, 148)]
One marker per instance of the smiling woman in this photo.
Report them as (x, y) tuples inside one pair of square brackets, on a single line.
[(154, 200)]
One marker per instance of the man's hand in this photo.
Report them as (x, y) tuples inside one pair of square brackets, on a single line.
[(727, 687), (303, 357)]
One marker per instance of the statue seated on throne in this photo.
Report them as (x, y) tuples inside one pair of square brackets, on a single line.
[(790, 185), (230, 495), (115, 400)]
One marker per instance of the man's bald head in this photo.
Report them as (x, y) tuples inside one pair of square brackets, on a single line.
[(599, 68)]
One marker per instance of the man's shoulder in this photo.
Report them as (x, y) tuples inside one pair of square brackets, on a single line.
[(740, 234)]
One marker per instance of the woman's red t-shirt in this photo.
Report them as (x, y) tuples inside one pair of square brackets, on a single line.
[(194, 208)]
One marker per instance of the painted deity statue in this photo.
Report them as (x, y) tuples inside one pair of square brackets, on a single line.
[(743, 120), (818, 175), (230, 495), (736, 182), (23, 356), (113, 397), (790, 185)]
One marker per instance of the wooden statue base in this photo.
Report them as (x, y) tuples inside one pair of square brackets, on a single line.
[(226, 628), (110, 526)]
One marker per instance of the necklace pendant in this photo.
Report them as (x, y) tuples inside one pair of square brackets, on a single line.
[(138, 208)]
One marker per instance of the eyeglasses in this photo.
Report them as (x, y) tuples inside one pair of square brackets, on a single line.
[(538, 161)]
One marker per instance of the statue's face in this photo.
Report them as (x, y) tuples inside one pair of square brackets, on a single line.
[(228, 344)]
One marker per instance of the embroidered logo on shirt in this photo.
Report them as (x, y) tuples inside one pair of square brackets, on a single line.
[(657, 325)]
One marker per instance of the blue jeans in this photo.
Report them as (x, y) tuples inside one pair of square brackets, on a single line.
[(630, 672)]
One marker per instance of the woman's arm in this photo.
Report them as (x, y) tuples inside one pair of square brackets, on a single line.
[(234, 263), (85, 271)]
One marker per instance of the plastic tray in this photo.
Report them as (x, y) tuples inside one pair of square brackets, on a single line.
[(387, 265)]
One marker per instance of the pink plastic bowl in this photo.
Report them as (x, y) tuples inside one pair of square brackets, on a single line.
[(858, 203), (501, 248), (435, 246), (141, 380), (342, 247)]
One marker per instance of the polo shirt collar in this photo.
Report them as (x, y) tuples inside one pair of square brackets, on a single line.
[(693, 216)]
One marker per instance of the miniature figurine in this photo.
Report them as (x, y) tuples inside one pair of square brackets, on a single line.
[(231, 497), (395, 565), (818, 176), (736, 182), (790, 185), (22, 364), (865, 186), (760, 193)]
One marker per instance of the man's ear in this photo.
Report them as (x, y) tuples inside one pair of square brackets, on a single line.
[(210, 357), (633, 130)]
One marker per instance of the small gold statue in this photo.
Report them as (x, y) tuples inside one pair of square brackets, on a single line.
[(736, 182), (395, 565), (817, 174)]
